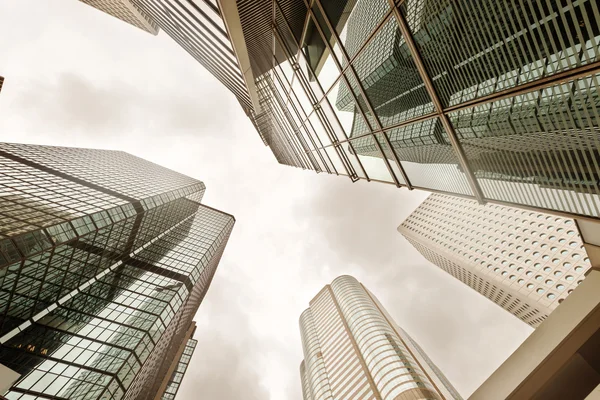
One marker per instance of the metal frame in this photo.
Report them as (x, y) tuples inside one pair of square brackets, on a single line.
[(477, 192)]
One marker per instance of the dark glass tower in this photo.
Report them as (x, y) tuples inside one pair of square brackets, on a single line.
[(104, 260)]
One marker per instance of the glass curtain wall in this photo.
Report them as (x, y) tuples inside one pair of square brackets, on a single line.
[(495, 100)]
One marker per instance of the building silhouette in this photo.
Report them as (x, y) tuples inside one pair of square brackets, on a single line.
[(104, 260), (353, 349)]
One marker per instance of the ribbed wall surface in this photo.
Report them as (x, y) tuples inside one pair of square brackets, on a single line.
[(352, 351)]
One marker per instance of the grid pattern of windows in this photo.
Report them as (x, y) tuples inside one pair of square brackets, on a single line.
[(96, 298), (182, 365), (526, 262), (125, 11), (353, 350), (497, 101)]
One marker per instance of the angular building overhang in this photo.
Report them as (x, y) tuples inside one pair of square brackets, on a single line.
[(560, 359), (231, 18)]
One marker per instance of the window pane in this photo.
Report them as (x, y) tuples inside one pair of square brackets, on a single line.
[(532, 149), (390, 78), (371, 158), (472, 49), (427, 156)]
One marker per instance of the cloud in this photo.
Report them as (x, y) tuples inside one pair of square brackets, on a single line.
[(358, 221), (227, 359), (75, 105)]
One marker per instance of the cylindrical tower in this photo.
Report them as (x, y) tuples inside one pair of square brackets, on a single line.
[(353, 347)]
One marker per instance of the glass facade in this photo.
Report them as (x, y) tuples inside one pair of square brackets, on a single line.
[(526, 262), (182, 365), (497, 101), (105, 258), (354, 350)]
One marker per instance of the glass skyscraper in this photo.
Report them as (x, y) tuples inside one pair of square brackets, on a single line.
[(526, 262), (493, 100), (104, 260), (354, 350)]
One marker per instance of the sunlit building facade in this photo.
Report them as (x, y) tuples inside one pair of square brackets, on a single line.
[(126, 11), (104, 260), (526, 262), (354, 350), (496, 101)]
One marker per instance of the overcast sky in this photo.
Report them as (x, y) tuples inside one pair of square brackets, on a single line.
[(77, 77)]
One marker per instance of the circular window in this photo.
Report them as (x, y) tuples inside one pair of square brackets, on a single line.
[(573, 244), (504, 273), (557, 273), (567, 265), (538, 277), (537, 265), (540, 290), (545, 257), (530, 286), (569, 278), (562, 240), (570, 233), (552, 238), (560, 286), (576, 256), (527, 261), (553, 248), (512, 277), (547, 269), (578, 268), (521, 281), (549, 281), (564, 252), (520, 269), (496, 269), (528, 273), (555, 261), (551, 296)]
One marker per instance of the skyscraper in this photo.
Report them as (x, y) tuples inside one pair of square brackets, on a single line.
[(526, 262), (104, 260), (126, 11), (354, 350), (174, 375), (496, 101), (198, 27)]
